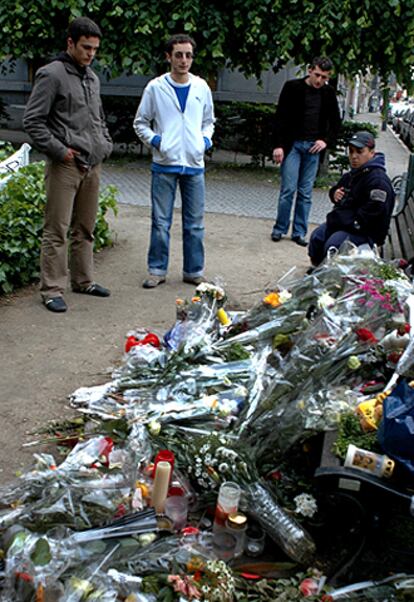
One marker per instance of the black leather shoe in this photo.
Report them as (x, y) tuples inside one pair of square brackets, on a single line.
[(300, 241), (276, 237), (94, 289), (55, 304), (194, 280)]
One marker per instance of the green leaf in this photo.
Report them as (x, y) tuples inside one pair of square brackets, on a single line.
[(41, 554)]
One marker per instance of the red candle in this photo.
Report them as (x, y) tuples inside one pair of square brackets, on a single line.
[(164, 455)]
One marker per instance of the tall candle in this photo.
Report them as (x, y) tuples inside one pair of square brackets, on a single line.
[(161, 484)]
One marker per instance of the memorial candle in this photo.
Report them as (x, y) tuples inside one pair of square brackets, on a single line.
[(161, 484)]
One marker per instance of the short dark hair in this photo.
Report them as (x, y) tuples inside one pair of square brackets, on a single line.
[(323, 62), (83, 26), (179, 38)]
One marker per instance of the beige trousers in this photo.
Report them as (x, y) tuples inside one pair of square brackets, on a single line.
[(71, 208)]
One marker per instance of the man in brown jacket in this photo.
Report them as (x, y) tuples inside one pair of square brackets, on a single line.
[(65, 120)]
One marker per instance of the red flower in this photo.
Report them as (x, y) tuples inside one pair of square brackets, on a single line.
[(308, 587), (276, 475), (106, 447), (24, 577), (394, 357), (403, 329), (149, 339), (120, 511), (366, 335)]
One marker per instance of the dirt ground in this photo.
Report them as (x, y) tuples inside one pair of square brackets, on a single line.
[(46, 356)]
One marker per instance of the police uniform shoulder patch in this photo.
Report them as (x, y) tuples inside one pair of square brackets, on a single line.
[(378, 195)]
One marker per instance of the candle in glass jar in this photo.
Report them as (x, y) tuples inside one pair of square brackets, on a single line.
[(161, 484), (227, 502)]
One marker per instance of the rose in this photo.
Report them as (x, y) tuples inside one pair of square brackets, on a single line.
[(308, 587), (366, 335)]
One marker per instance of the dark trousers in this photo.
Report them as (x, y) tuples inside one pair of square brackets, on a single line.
[(321, 241)]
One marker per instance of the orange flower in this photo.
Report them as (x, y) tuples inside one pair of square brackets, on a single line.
[(272, 299), (195, 564)]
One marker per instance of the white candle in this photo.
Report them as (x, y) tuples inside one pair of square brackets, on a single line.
[(161, 484)]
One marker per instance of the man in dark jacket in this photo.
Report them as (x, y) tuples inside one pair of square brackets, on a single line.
[(65, 120), (307, 121), (364, 201)]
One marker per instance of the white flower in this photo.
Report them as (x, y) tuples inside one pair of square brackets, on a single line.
[(154, 427), (208, 459), (325, 300), (305, 505), (284, 296), (223, 467), (215, 291), (146, 538)]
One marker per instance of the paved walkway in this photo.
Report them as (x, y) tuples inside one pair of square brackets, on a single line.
[(245, 196), (234, 193)]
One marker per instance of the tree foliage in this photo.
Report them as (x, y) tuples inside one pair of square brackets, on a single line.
[(252, 35)]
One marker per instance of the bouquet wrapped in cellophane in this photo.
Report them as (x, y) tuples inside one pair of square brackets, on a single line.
[(231, 395)]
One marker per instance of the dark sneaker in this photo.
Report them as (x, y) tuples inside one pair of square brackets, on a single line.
[(276, 236), (55, 304), (94, 289), (195, 280), (153, 281), (299, 240)]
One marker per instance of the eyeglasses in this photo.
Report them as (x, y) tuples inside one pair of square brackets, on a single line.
[(181, 55)]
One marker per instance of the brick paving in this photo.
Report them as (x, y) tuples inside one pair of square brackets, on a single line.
[(245, 196), (233, 195)]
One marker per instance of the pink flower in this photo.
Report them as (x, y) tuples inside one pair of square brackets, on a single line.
[(308, 587), (192, 592), (178, 584), (183, 585)]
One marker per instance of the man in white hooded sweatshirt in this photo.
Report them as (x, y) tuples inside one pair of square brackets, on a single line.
[(175, 119)]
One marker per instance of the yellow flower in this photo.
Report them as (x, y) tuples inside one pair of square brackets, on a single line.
[(223, 318), (272, 299), (195, 564), (144, 488)]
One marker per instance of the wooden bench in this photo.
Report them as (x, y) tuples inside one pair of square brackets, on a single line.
[(399, 243)]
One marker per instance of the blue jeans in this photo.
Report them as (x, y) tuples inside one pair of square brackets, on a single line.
[(298, 173), (321, 241), (163, 189)]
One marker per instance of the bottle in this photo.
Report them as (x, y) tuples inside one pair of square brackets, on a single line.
[(283, 529), (236, 525)]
